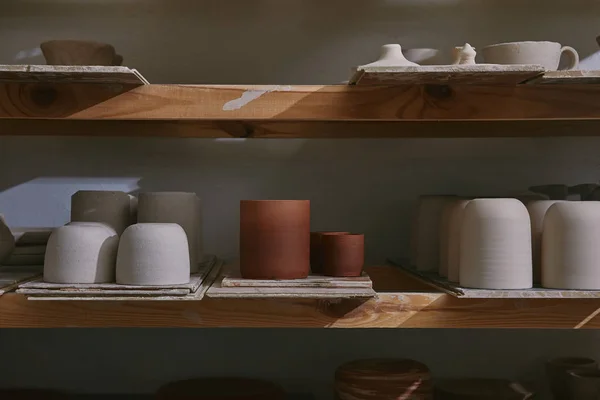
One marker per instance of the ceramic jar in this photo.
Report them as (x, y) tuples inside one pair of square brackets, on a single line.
[(112, 208), (480, 389), (316, 256), (391, 56), (274, 239), (221, 388), (583, 384), (7, 240), (495, 245), (79, 52), (557, 371), (343, 255), (570, 250), (383, 379), (153, 254), (450, 238), (546, 54), (425, 236), (537, 213), (81, 252), (179, 208)]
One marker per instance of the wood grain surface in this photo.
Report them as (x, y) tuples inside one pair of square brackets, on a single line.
[(402, 302)]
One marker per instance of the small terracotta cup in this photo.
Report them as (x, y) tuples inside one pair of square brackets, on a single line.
[(343, 255), (316, 254)]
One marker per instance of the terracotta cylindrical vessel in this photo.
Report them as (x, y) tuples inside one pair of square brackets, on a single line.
[(274, 239), (495, 245), (537, 213), (557, 371), (179, 208), (425, 237), (112, 208), (343, 255), (450, 238), (480, 389), (570, 250), (221, 389), (81, 252), (7, 240), (383, 379), (153, 254), (583, 384), (316, 256)]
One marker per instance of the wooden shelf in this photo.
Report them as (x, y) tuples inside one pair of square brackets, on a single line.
[(402, 302)]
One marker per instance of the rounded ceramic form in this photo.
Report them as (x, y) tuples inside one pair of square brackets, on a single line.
[(480, 389), (81, 253), (464, 55), (343, 255), (423, 56), (425, 237), (537, 214), (274, 239), (391, 56), (179, 208), (316, 257), (383, 379), (7, 241), (546, 54), (153, 254), (108, 207), (221, 388), (557, 371), (570, 249), (450, 238), (79, 52), (495, 245)]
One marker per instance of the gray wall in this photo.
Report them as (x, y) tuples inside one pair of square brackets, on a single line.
[(359, 185)]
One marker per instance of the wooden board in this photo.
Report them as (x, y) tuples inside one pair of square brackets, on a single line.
[(70, 74), (455, 289), (567, 78), (282, 289), (44, 289), (478, 74)]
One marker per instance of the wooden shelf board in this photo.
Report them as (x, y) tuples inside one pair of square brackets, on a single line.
[(567, 78), (402, 302)]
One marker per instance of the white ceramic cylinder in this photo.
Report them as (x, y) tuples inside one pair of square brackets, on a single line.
[(451, 245), (153, 254), (495, 245), (425, 237), (81, 253), (179, 208), (537, 213), (571, 246), (7, 240), (112, 208)]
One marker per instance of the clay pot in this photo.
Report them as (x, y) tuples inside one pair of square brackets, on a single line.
[(274, 239), (81, 252), (316, 257), (537, 214), (569, 249), (480, 389), (221, 389), (583, 384), (425, 236), (153, 254), (450, 224), (112, 208), (179, 208), (554, 192), (78, 52), (558, 369), (383, 379), (495, 245), (343, 255), (391, 56), (424, 56), (546, 54), (7, 240)]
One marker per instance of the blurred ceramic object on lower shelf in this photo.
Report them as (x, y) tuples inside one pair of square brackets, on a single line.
[(480, 389), (558, 370)]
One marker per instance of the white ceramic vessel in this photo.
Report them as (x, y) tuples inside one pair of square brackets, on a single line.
[(81, 252), (7, 240), (425, 237), (179, 208), (112, 208), (464, 55), (495, 245), (537, 214), (423, 56), (391, 56), (153, 254), (546, 54), (452, 242), (571, 246)]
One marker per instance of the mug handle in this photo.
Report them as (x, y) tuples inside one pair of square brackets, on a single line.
[(573, 56)]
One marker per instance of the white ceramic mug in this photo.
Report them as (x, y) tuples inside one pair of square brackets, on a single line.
[(546, 54)]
